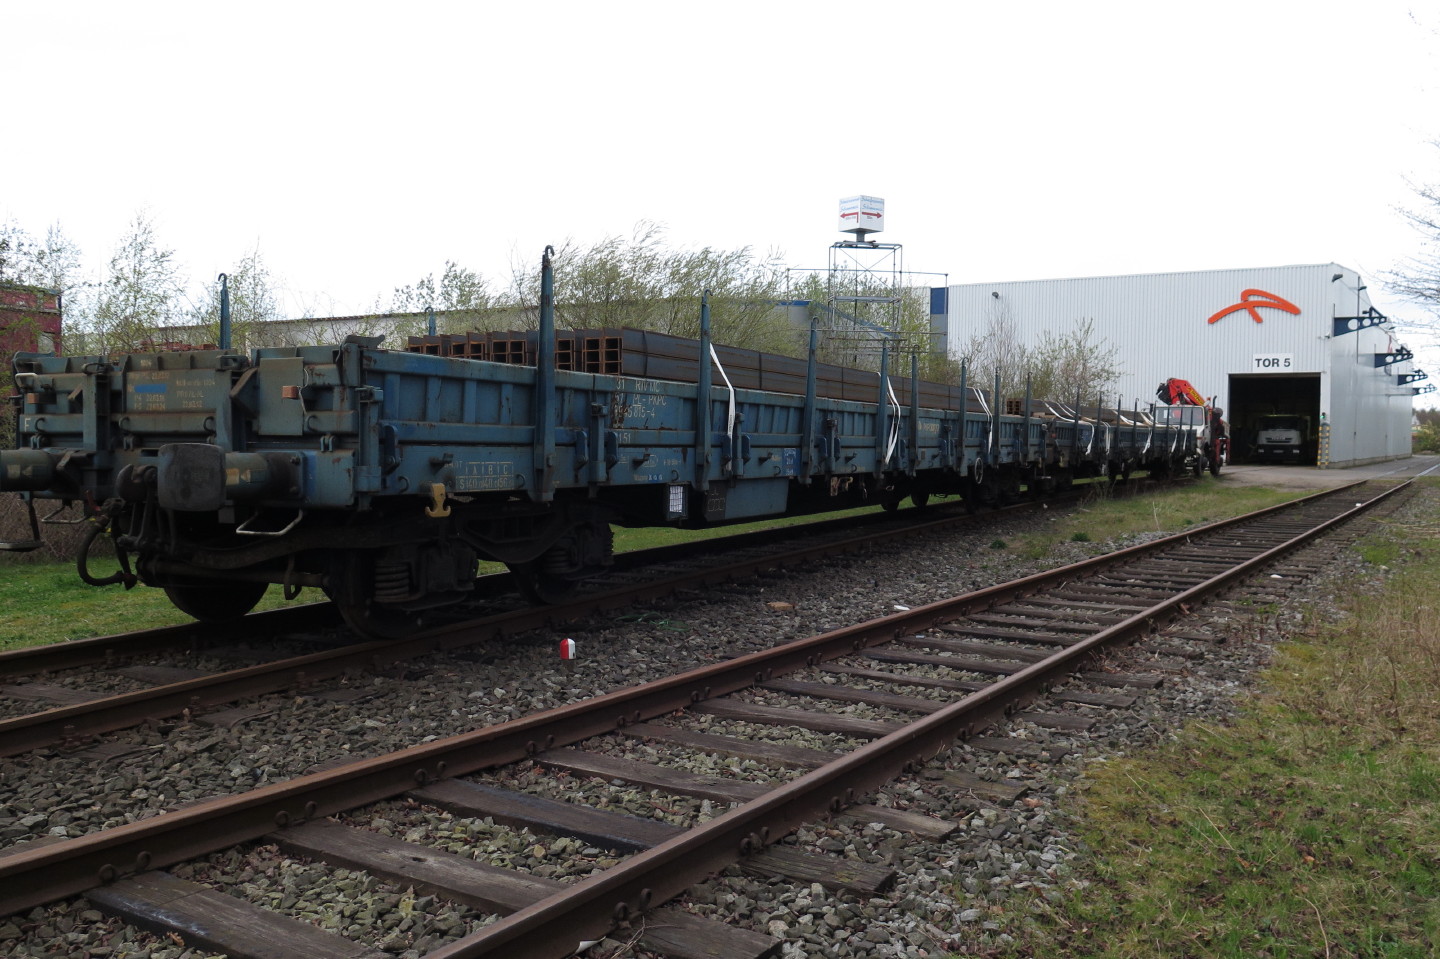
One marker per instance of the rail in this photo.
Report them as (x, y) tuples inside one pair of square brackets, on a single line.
[(31, 876)]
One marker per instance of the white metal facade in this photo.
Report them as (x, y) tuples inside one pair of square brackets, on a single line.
[(1160, 327)]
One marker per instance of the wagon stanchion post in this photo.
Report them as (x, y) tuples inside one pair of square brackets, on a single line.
[(882, 411), (1135, 410), (704, 439), (1112, 434), (958, 460), (1151, 441), (224, 338), (1125, 442), (1176, 432), (1097, 437), (913, 434), (1075, 435), (1124, 433), (1119, 422), (544, 406), (993, 445), (1135, 429), (739, 449), (807, 426), (1104, 433), (1026, 424)]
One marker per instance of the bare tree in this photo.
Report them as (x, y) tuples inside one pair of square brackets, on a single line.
[(461, 294), (254, 306), (140, 293), (16, 245), (1073, 363), (638, 281), (1418, 277), (996, 349), (53, 262), (57, 262)]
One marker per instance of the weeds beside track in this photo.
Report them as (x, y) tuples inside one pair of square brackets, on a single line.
[(1308, 827)]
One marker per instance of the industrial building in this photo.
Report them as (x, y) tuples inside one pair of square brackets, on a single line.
[(29, 319), (1298, 340)]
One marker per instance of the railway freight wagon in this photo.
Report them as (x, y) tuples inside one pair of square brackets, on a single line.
[(383, 477)]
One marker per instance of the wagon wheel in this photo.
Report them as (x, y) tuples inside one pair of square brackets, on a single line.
[(350, 585), (987, 492), (379, 621), (213, 600), (921, 498), (541, 588)]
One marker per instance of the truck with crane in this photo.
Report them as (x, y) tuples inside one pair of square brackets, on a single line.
[(1216, 444)]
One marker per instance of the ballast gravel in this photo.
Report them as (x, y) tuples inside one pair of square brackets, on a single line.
[(969, 892)]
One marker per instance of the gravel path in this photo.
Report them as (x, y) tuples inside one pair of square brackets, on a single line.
[(962, 893)]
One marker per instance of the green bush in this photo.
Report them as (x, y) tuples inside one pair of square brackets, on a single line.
[(1426, 439)]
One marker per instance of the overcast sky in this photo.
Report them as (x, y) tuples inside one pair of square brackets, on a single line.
[(362, 144)]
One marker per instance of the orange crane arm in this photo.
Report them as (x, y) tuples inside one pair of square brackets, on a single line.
[(1175, 391)]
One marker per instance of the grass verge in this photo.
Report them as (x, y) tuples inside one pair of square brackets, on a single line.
[(46, 603), (1308, 827), (1103, 516)]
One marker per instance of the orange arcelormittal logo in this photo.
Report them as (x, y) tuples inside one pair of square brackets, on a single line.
[(1250, 300)]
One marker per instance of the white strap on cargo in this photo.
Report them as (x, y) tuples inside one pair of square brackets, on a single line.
[(894, 424), (985, 408), (730, 417)]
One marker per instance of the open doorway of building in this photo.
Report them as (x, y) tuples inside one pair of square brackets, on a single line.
[(1274, 417)]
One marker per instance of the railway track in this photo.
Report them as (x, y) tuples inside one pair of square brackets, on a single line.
[(975, 661), (52, 710)]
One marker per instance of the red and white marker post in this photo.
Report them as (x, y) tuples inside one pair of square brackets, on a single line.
[(567, 652)]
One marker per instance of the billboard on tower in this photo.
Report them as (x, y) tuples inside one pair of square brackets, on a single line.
[(862, 214)]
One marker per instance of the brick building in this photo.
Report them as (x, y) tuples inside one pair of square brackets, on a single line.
[(29, 320)]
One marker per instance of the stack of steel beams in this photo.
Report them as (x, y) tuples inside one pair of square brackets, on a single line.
[(661, 356)]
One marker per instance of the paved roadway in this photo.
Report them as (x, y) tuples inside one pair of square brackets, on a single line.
[(1309, 477)]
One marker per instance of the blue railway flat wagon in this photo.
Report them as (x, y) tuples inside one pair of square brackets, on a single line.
[(383, 477)]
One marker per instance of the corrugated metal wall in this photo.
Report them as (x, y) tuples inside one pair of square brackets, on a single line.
[(1368, 410), (1158, 325)]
